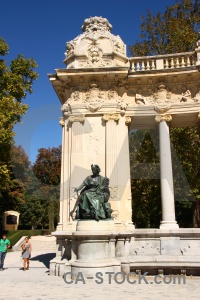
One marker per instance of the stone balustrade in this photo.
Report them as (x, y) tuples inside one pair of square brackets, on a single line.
[(167, 61)]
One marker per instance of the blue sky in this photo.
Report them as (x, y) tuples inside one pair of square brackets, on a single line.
[(40, 29)]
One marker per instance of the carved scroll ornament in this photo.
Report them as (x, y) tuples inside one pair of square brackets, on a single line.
[(161, 118), (109, 117)]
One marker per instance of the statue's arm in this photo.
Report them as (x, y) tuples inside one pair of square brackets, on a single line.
[(80, 187)]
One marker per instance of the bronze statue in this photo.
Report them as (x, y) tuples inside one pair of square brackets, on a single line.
[(93, 199)]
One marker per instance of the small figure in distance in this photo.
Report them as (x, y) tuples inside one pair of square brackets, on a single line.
[(4, 245), (26, 253)]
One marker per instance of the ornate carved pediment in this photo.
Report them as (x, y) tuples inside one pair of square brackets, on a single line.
[(94, 98), (162, 98), (162, 94)]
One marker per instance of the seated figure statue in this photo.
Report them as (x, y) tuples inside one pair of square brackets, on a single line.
[(93, 199)]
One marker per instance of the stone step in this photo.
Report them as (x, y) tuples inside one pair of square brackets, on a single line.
[(43, 243), (38, 243)]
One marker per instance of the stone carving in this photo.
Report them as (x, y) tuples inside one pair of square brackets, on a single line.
[(62, 122), (127, 120), (94, 196), (186, 97), (66, 109), (69, 48), (94, 53), (95, 45), (115, 214), (162, 98), (98, 24), (93, 98), (119, 45), (121, 105), (162, 95), (139, 99), (197, 97), (113, 192), (108, 117), (161, 118), (93, 137), (77, 118), (76, 96), (111, 95), (162, 108)]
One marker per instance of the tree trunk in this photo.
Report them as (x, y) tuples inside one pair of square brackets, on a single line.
[(51, 216), (196, 214)]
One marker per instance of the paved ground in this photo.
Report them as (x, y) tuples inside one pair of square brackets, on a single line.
[(37, 284)]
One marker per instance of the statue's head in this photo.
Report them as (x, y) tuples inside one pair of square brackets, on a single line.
[(95, 169)]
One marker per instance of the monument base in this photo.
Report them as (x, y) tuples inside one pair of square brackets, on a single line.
[(94, 248)]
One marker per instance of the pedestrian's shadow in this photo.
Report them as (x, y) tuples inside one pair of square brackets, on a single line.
[(44, 258)]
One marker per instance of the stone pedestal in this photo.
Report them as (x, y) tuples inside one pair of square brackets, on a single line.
[(94, 248)]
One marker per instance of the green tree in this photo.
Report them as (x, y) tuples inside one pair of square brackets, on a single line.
[(13, 193), (145, 183), (33, 211), (176, 30), (47, 169), (16, 81)]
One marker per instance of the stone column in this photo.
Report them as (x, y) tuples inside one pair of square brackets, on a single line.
[(76, 161), (111, 157), (60, 224), (124, 176), (166, 175), (118, 168), (66, 174)]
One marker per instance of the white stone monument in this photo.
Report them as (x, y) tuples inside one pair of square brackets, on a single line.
[(105, 95)]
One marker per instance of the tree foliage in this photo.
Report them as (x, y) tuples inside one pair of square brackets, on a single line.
[(16, 81), (145, 183), (12, 195), (47, 169), (175, 30), (33, 212)]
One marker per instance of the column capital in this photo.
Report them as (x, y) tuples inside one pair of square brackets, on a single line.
[(127, 120), (109, 117), (77, 118), (163, 118), (62, 122)]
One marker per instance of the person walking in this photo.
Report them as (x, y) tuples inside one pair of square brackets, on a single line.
[(26, 253), (4, 245)]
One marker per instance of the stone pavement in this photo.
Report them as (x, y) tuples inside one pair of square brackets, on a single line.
[(38, 285)]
